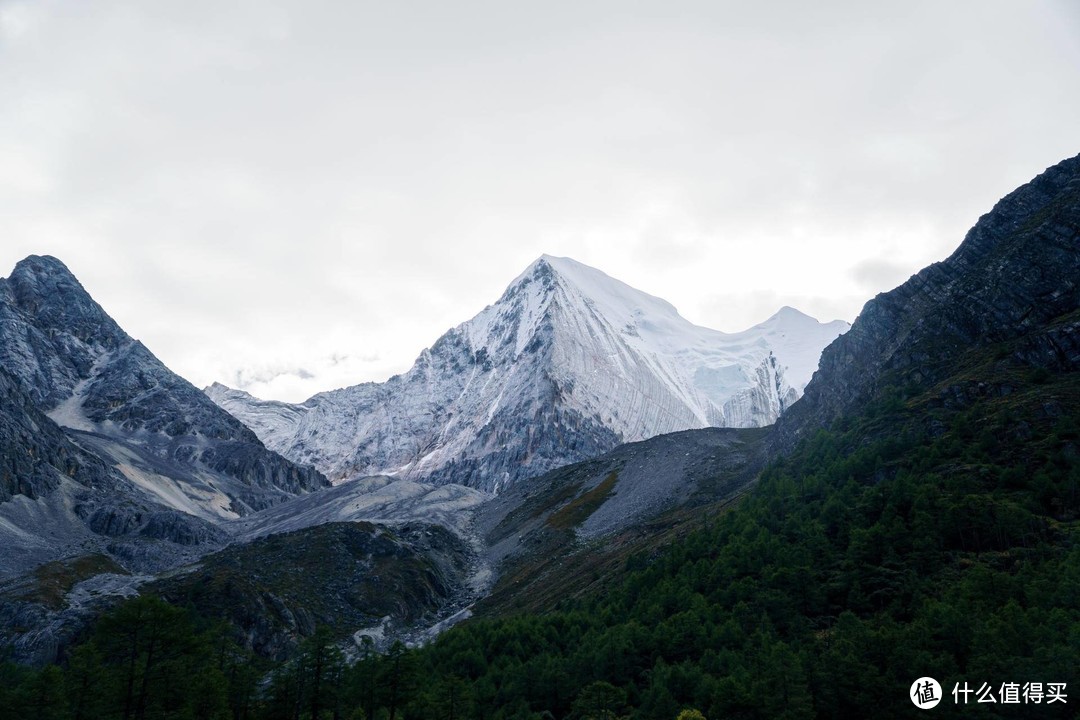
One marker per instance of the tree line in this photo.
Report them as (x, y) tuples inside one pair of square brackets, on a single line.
[(896, 545)]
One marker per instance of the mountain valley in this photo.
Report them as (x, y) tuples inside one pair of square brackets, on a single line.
[(618, 502), (142, 475)]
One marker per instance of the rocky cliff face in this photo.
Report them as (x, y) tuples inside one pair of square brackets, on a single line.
[(34, 453), (111, 466), (80, 368), (60, 499), (1015, 277), (566, 365), (350, 577), (51, 331)]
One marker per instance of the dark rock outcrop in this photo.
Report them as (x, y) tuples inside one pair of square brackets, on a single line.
[(276, 590), (1015, 279), (74, 362), (34, 452), (51, 330)]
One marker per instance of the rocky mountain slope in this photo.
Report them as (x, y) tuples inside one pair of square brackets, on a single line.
[(80, 368), (114, 471), (59, 500), (566, 365), (111, 466), (1015, 276), (379, 498), (567, 532), (352, 577)]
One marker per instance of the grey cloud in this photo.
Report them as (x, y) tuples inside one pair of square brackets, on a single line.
[(337, 359), (246, 377), (285, 179), (880, 274)]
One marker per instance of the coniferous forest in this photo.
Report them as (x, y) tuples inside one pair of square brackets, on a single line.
[(909, 540)]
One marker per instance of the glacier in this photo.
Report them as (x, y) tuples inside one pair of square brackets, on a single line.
[(566, 365)]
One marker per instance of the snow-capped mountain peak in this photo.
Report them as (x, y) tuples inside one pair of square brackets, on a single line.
[(588, 289), (566, 364), (611, 295)]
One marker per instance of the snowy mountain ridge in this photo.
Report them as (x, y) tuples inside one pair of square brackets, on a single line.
[(567, 364)]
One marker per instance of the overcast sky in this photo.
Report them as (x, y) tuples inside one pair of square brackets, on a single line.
[(294, 196)]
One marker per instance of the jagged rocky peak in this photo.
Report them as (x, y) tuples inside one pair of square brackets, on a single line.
[(52, 330), (86, 374), (43, 286), (1015, 278), (568, 363), (85, 371)]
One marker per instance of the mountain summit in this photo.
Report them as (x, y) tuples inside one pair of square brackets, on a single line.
[(78, 367), (567, 364)]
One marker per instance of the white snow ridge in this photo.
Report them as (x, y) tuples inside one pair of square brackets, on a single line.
[(567, 364)]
